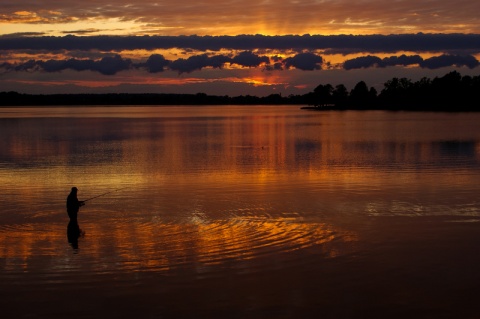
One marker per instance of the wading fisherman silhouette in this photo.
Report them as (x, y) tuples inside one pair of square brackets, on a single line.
[(73, 206)]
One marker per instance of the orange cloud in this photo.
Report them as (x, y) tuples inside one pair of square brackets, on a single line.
[(217, 17)]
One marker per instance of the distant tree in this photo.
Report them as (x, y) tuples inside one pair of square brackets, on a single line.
[(273, 99), (447, 90), (360, 96), (471, 90), (424, 85), (396, 86), (397, 92), (372, 94), (340, 96), (422, 93), (323, 95)]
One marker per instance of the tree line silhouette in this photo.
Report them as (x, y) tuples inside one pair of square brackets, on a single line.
[(451, 92)]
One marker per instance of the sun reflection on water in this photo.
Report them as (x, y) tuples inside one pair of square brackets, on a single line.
[(162, 246)]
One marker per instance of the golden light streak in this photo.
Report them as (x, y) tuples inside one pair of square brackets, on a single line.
[(56, 25), (31, 23), (258, 81), (24, 13), (206, 242)]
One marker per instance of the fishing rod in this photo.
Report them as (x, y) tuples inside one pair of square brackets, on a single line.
[(115, 190)]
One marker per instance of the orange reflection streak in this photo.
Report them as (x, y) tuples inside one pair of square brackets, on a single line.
[(160, 246), (266, 138), (19, 245)]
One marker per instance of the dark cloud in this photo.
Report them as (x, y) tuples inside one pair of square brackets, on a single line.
[(449, 60), (106, 66), (218, 61), (21, 34), (30, 65), (304, 61), (197, 62), (84, 31), (58, 65), (351, 43), (362, 62), (156, 63), (111, 65), (249, 59), (404, 60)]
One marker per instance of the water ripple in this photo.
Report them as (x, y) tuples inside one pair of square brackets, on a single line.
[(199, 240)]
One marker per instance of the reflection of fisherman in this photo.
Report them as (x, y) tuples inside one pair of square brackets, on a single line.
[(73, 233), (73, 204)]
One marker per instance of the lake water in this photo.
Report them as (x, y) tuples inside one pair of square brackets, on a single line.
[(239, 212)]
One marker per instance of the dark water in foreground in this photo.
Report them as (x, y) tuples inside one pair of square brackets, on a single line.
[(239, 212)]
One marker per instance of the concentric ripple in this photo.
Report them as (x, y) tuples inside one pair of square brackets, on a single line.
[(194, 242), (198, 241)]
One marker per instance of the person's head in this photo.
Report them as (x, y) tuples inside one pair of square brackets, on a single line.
[(74, 190)]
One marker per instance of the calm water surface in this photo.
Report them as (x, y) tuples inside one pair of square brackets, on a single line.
[(239, 212)]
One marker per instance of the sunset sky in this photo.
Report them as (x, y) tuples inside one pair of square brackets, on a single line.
[(231, 47)]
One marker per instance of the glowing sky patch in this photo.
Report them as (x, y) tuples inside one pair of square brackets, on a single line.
[(233, 17)]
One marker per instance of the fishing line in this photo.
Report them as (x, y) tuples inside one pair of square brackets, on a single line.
[(115, 190)]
